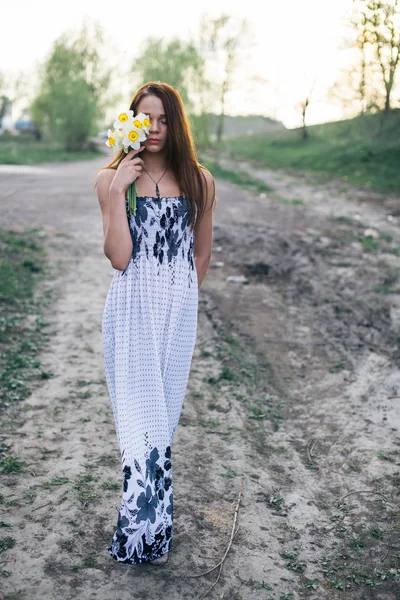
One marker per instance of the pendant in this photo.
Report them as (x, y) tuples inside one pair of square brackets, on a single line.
[(157, 191)]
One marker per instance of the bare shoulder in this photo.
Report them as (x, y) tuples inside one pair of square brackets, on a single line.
[(207, 175), (104, 178), (210, 183), (103, 182)]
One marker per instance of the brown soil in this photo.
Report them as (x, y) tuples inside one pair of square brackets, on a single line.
[(294, 390)]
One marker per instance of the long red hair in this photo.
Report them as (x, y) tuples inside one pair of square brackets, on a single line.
[(180, 150)]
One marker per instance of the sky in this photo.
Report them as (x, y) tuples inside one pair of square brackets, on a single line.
[(294, 44)]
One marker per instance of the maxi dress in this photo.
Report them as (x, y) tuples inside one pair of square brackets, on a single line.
[(149, 329)]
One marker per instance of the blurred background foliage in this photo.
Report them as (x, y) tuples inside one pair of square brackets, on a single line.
[(82, 81)]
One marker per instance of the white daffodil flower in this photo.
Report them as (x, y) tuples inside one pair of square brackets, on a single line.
[(111, 139), (129, 131), (133, 138), (122, 118), (128, 126), (144, 120)]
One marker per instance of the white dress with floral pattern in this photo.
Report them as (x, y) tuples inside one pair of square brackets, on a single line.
[(149, 332)]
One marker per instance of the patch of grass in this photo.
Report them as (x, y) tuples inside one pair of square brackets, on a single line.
[(84, 382), (339, 366), (111, 485), (107, 460), (311, 584), (354, 465), (84, 488), (237, 177), (342, 219), (30, 497), (337, 584), (84, 395), (6, 543), (293, 564), (210, 424), (229, 473), (12, 464), (89, 562), (24, 150), (292, 201), (375, 532), (384, 456), (205, 353), (20, 296), (363, 151), (56, 481), (255, 412), (262, 586), (356, 543), (369, 244), (274, 500), (228, 374)]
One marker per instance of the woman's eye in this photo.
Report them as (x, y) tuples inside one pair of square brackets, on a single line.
[(164, 122)]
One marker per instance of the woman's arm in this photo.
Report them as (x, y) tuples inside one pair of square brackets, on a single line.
[(117, 239), (203, 232), (111, 191)]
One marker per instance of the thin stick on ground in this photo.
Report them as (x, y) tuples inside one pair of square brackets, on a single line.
[(233, 532), (310, 449), (363, 492)]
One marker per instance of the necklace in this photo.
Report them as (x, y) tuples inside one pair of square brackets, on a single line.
[(156, 182)]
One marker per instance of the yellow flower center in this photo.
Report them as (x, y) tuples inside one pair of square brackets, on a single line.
[(133, 136), (146, 122), (137, 123), (111, 141), (123, 117)]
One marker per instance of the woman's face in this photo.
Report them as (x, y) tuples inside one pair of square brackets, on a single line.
[(154, 108)]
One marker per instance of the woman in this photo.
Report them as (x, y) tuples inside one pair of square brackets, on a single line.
[(161, 256)]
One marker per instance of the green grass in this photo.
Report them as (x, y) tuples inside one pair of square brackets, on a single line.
[(84, 488), (23, 150), (237, 177), (22, 269), (364, 150)]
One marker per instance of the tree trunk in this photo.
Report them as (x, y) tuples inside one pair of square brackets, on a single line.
[(387, 103), (220, 128)]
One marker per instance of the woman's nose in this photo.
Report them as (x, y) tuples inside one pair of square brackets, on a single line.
[(154, 126)]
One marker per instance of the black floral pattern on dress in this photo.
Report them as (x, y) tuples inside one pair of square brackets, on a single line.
[(145, 521), (158, 250), (172, 223), (173, 242), (127, 475)]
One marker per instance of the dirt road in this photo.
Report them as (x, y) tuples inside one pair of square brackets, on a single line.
[(294, 391)]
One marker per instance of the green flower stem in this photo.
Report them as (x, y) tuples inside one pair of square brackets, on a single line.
[(132, 193)]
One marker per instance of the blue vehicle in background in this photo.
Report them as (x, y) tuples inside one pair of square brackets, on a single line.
[(26, 125)]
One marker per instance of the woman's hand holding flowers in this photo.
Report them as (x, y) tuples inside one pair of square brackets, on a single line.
[(128, 171), (129, 132)]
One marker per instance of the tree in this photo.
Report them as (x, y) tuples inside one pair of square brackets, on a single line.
[(361, 43), (175, 62), (303, 106), (73, 80), (222, 41), (378, 27)]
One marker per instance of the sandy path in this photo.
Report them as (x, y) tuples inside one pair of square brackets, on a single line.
[(260, 389)]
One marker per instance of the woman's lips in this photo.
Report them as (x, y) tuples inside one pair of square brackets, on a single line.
[(153, 141)]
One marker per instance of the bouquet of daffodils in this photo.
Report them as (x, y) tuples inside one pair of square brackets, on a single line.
[(129, 132)]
